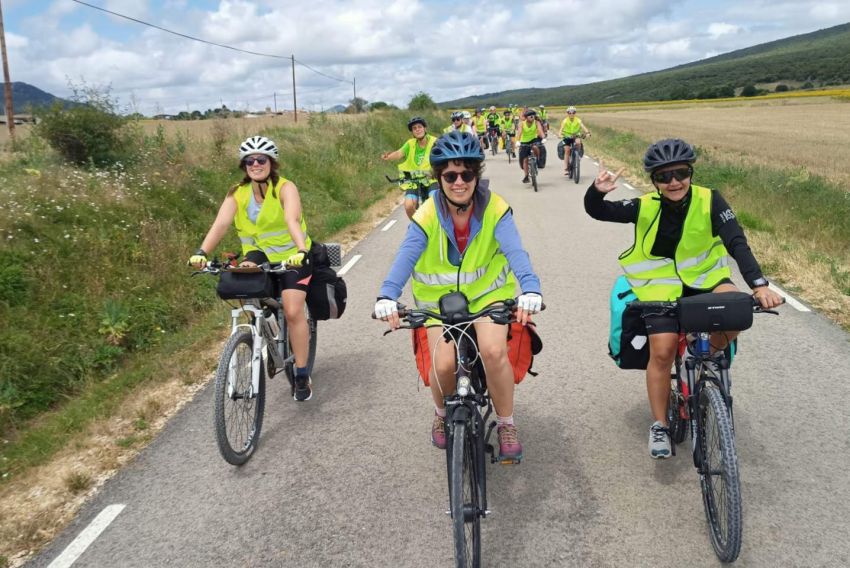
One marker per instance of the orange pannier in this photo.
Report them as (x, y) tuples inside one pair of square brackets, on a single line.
[(523, 344)]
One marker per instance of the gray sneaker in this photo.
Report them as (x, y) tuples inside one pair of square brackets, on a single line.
[(659, 441)]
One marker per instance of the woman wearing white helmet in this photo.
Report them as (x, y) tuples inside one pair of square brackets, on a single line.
[(265, 207)]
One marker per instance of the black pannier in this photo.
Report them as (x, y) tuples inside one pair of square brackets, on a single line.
[(327, 294), (724, 311)]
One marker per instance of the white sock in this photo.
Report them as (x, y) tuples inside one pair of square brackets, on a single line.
[(505, 420), (441, 412)]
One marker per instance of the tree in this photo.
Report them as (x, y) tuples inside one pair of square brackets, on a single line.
[(749, 91), (680, 93), (727, 91), (781, 88), (356, 105), (381, 105), (422, 101)]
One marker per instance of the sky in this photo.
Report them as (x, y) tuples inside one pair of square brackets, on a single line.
[(392, 49)]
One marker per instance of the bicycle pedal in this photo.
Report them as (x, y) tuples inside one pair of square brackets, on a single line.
[(510, 461)]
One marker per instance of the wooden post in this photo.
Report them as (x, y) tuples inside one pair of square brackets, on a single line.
[(294, 100), (7, 88)]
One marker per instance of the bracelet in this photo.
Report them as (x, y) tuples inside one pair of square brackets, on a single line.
[(201, 252)]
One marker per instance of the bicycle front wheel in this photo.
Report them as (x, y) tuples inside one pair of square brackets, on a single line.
[(532, 171), (576, 166), (719, 479), (238, 414), (463, 494)]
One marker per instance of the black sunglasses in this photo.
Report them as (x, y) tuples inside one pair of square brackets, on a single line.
[(262, 160), (680, 174), (466, 175)]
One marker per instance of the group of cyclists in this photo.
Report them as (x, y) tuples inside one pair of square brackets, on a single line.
[(464, 238)]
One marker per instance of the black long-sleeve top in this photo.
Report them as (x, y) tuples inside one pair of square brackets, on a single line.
[(672, 220)]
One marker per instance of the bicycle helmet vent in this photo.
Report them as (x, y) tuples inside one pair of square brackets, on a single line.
[(456, 145), (666, 152), (258, 145)]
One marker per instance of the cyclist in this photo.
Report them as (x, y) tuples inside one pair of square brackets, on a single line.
[(457, 123), (571, 127), (480, 123), (494, 123), (265, 207), (467, 120), (544, 119), (683, 232), (516, 114), (467, 225), (414, 152), (529, 133), (508, 129)]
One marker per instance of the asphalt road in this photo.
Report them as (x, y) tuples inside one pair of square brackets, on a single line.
[(350, 478)]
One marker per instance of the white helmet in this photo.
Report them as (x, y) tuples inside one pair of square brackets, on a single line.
[(258, 145), (466, 114), (571, 109), (492, 107)]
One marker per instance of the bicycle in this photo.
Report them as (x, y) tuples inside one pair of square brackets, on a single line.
[(532, 163), (576, 154), (509, 145), (468, 418), (493, 136), (408, 181), (701, 404), (240, 380)]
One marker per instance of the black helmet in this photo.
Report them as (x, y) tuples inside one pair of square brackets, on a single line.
[(530, 112), (456, 145), (666, 152), (416, 120)]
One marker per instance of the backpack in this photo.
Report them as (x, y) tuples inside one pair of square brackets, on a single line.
[(523, 344), (327, 293), (628, 341)]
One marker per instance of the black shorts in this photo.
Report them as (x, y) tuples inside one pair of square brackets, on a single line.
[(494, 130), (525, 149), (292, 279), (668, 324), (569, 140)]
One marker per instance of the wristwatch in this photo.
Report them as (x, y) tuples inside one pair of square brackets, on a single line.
[(758, 282)]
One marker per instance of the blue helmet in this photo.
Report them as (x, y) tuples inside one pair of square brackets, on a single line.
[(456, 145)]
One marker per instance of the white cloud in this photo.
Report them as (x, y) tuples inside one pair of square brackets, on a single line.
[(718, 29)]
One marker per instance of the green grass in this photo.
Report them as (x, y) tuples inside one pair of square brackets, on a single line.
[(94, 283)]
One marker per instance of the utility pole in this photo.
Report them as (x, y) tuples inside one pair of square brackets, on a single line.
[(294, 100), (275, 102), (7, 89), (354, 82)]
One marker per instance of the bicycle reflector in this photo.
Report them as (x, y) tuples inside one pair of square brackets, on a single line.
[(464, 386)]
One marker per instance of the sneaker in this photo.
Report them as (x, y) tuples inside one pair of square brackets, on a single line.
[(438, 432), (510, 448), (526, 180), (659, 441), (303, 390)]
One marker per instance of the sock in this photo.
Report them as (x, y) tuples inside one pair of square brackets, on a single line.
[(441, 412), (301, 372), (505, 420)]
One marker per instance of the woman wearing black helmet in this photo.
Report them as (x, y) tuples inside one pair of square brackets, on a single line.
[(465, 226), (415, 154), (684, 235)]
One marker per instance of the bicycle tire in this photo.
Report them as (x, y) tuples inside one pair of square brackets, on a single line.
[(532, 171), (509, 148), (238, 425), (576, 167), (463, 493), (719, 479)]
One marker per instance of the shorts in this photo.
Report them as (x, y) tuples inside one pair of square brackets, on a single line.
[(569, 140), (413, 192), (495, 130), (668, 324), (292, 279), (525, 149)]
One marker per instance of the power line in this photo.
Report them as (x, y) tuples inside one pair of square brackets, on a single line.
[(210, 42)]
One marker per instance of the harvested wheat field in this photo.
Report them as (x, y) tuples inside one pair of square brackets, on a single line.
[(789, 132)]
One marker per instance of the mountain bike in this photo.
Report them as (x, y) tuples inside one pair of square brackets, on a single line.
[(509, 145), (701, 404), (469, 418), (576, 154), (421, 184), (240, 380), (493, 136), (532, 163)]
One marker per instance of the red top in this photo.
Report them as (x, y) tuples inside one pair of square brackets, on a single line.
[(462, 235)]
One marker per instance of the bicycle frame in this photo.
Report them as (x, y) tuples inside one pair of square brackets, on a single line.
[(263, 334)]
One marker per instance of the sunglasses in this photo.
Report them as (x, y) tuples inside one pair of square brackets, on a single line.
[(262, 160), (680, 174), (466, 175)]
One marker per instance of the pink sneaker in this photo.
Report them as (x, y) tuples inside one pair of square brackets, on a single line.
[(438, 432), (510, 448)]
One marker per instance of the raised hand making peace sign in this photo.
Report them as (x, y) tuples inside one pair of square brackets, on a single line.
[(606, 182)]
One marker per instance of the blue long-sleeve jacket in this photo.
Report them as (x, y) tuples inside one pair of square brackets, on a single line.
[(415, 242)]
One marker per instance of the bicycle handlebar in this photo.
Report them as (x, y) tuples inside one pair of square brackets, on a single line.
[(422, 180), (674, 305), (502, 313), (215, 267)]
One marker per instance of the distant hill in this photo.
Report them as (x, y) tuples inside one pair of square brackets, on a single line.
[(336, 108), (821, 58), (25, 96)]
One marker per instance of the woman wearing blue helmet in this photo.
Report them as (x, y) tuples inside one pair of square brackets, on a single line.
[(466, 230)]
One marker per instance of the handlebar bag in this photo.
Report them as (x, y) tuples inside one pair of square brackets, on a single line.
[(327, 294), (723, 311), (628, 341), (561, 150), (241, 285), (523, 344)]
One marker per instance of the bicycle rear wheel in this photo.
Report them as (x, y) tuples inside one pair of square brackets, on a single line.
[(238, 414), (676, 423), (463, 494), (719, 479)]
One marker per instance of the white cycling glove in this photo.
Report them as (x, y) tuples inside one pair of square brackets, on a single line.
[(530, 302), (385, 308)]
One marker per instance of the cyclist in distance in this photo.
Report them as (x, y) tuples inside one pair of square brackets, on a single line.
[(467, 232), (571, 127), (480, 123), (265, 207), (529, 133), (683, 237), (544, 119), (494, 123), (508, 126), (414, 154), (457, 124)]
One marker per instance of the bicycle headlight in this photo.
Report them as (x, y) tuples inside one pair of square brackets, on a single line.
[(463, 386)]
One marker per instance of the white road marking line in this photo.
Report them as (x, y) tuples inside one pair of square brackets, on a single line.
[(88, 536), (389, 225), (344, 270), (790, 300)]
